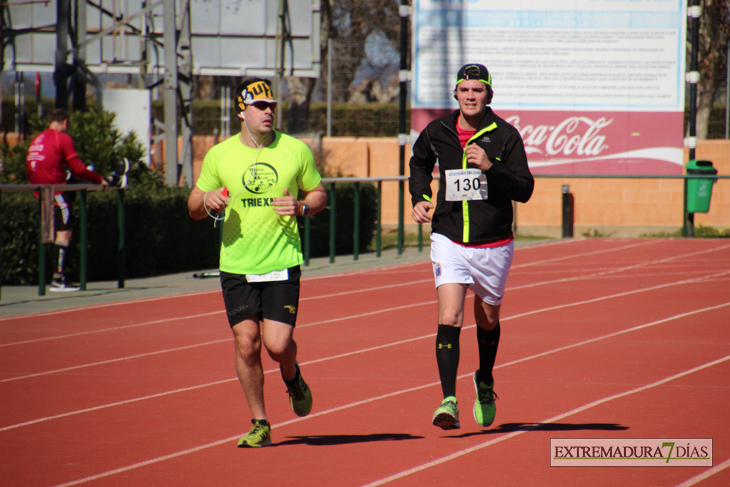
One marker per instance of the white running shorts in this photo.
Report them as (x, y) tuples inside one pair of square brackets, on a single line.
[(483, 270)]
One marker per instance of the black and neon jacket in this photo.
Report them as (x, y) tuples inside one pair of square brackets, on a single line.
[(508, 179)]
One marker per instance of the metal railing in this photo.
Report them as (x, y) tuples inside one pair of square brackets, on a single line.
[(46, 190), (332, 204)]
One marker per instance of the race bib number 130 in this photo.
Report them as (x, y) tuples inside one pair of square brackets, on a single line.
[(466, 184)]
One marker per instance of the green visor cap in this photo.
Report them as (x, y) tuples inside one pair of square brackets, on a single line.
[(474, 71)]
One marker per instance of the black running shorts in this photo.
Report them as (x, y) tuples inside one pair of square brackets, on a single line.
[(274, 300)]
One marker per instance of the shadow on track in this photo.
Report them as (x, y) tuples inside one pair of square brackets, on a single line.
[(325, 440)]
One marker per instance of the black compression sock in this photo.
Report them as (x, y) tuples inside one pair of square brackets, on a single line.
[(488, 342), (61, 262), (447, 357)]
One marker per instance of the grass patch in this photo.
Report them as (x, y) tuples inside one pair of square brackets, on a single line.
[(595, 233), (700, 232)]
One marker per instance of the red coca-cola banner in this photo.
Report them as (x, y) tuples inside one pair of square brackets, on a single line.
[(592, 143)]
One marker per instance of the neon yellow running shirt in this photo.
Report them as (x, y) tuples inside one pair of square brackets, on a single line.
[(256, 240)]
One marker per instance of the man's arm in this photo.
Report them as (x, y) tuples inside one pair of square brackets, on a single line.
[(199, 200), (512, 173), (421, 166), (509, 173), (74, 163)]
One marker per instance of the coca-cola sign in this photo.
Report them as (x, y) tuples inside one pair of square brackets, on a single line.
[(573, 136), (561, 142)]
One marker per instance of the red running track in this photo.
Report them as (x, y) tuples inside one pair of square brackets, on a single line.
[(601, 338)]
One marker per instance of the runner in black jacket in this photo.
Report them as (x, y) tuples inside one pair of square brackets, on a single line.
[(483, 167)]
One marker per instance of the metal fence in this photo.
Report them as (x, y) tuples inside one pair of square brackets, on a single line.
[(687, 224)]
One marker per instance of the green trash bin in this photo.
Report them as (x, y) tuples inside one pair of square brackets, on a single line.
[(699, 190)]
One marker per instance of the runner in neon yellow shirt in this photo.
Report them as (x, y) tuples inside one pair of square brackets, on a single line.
[(257, 178)]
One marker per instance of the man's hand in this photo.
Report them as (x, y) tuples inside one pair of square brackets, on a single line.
[(476, 155), (104, 183), (216, 200), (286, 205), (201, 203), (420, 212)]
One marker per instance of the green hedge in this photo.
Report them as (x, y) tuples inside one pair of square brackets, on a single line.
[(348, 119), (344, 222), (160, 236)]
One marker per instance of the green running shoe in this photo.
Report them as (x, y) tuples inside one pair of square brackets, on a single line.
[(484, 408), (300, 396), (446, 416), (260, 435)]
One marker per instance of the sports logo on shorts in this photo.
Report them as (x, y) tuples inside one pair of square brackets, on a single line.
[(292, 309), (259, 178), (437, 269)]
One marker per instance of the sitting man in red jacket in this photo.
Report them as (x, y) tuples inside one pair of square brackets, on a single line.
[(50, 154)]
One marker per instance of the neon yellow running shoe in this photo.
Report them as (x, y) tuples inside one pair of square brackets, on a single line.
[(300, 396), (484, 407), (446, 416), (260, 435)]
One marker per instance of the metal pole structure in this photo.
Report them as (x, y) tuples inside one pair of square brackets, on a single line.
[(403, 76), (356, 226), (185, 88), (329, 87), (693, 78), (378, 224), (333, 230), (41, 249), (63, 8), (83, 243), (121, 248), (1, 250), (79, 86), (280, 53), (727, 95), (170, 97)]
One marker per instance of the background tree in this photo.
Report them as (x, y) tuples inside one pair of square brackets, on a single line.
[(712, 58)]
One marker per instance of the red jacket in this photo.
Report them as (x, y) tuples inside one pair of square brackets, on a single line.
[(49, 154)]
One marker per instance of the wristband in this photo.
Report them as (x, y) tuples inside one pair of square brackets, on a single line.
[(304, 210)]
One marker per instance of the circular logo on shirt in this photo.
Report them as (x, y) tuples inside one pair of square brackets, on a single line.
[(259, 178)]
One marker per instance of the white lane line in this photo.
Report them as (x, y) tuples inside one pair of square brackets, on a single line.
[(346, 293), (158, 352), (174, 296), (620, 269), (618, 295), (111, 361), (185, 317), (379, 347), (233, 379), (104, 305), (520, 315), (706, 474), (373, 399), (114, 328), (376, 288), (485, 444), (584, 254), (185, 295)]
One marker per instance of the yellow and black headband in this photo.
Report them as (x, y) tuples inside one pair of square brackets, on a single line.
[(254, 92)]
